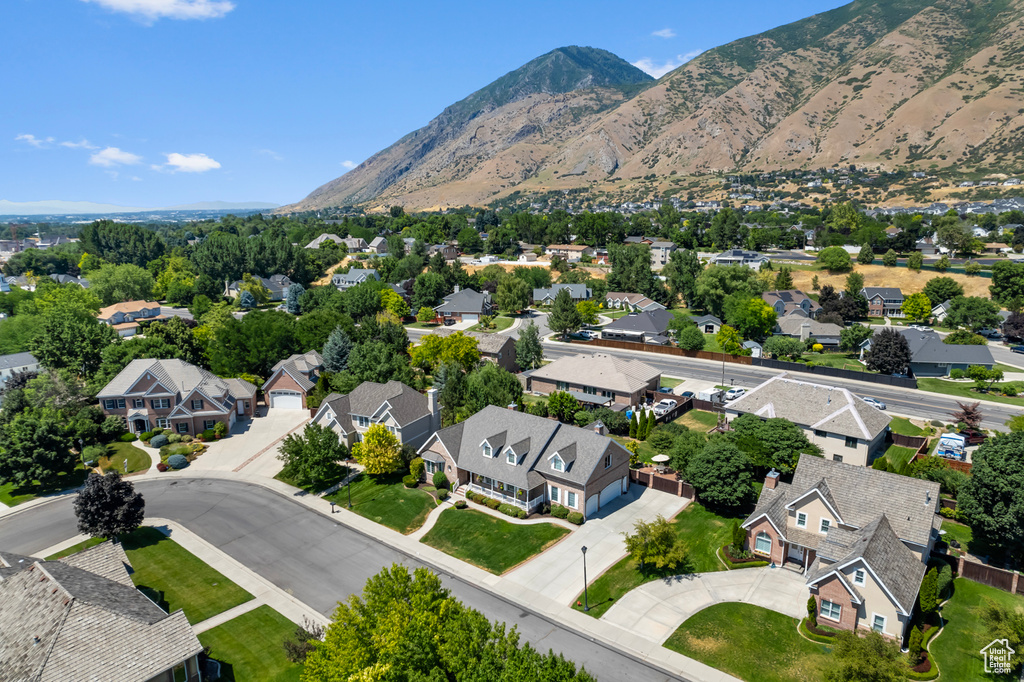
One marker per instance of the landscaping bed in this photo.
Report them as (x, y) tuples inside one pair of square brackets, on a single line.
[(250, 647), (386, 500), (740, 562), (491, 543)]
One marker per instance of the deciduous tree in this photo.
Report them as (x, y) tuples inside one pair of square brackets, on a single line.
[(380, 452), (720, 473), (865, 658), (992, 500), (917, 307), (108, 506), (513, 295), (972, 312), (654, 545), (562, 405), (312, 458), (529, 350), (588, 311), (118, 283), (729, 340), (852, 336), (456, 348), (889, 354), (690, 337), (834, 259)]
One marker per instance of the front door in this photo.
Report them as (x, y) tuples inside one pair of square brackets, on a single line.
[(140, 425), (795, 554)]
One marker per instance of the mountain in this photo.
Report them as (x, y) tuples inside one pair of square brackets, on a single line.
[(58, 207), (918, 83)]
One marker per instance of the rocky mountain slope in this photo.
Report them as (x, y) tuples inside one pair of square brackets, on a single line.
[(924, 83)]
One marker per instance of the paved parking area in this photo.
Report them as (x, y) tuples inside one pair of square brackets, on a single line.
[(655, 610), (558, 572), (248, 437)]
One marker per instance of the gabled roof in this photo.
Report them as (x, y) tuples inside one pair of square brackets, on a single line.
[(927, 347), (177, 376), (707, 319), (884, 292), (406, 404), (356, 275), (487, 344), (465, 301), (315, 244), (648, 322), (575, 291), (791, 325), (600, 370), (16, 360), (298, 367)]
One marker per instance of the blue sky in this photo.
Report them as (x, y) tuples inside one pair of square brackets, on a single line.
[(162, 102)]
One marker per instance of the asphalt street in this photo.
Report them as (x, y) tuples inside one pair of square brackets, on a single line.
[(310, 556)]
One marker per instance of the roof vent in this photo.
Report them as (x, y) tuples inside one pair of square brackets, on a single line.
[(927, 498)]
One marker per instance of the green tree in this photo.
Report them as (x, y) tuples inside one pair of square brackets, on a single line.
[(1005, 623), (35, 445), (564, 317), (718, 282), (295, 292), (866, 256), (529, 351), (1007, 282), (917, 307), (691, 338), (755, 319), (915, 261), (513, 295), (392, 302), (889, 354), (729, 340), (336, 351), (771, 443), (890, 258), (992, 500), (428, 289), (942, 289), (376, 361), (972, 312), (121, 243), (720, 474), (654, 545), (588, 311), (252, 345), (865, 658), (852, 336), (256, 287), (942, 264), (814, 283), (784, 280), (634, 425), (928, 597), (379, 451), (490, 384), (681, 273), (562, 406), (962, 337), (118, 283), (834, 259), (312, 458), (71, 338), (854, 284), (783, 347), (469, 240), (108, 506), (456, 348)]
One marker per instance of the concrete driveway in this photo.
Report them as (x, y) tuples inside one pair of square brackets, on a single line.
[(558, 572), (655, 610), (248, 438)]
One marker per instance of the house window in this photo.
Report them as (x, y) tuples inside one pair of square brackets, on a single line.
[(209, 424), (488, 452), (561, 386), (858, 576), (820, 434), (557, 464), (837, 458), (878, 623), (138, 403), (554, 494), (182, 427), (590, 390), (197, 404), (801, 520), (363, 421), (830, 610), (510, 457), (113, 404), (608, 394), (607, 461), (159, 403), (851, 441), (570, 499), (825, 524), (429, 467), (163, 423), (763, 543)]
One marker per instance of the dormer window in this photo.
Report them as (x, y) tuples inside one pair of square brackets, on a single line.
[(510, 457), (488, 452), (557, 464)]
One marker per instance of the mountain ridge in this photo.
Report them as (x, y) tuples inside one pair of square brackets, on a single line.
[(62, 207)]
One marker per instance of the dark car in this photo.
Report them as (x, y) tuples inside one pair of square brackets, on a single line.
[(1017, 349), (688, 394)]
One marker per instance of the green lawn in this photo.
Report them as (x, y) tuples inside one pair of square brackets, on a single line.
[(962, 390), (177, 579), (698, 420), (13, 494), (75, 549), (422, 325), (614, 314), (671, 382), (501, 323), (899, 456), (959, 532), (339, 474), (840, 360), (118, 453), (385, 500), (488, 542), (711, 344), (751, 643), (956, 648), (249, 647), (904, 427), (702, 533)]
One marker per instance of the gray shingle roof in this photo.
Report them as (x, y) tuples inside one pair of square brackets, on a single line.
[(298, 367), (707, 319), (890, 293), (178, 376), (575, 291), (927, 347), (810, 405), (406, 404), (791, 324), (106, 559), (15, 360), (466, 301), (600, 370), (649, 322), (488, 344)]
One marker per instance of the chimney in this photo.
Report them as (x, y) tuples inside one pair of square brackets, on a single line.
[(805, 331), (771, 480), (435, 409), (456, 289), (600, 429), (513, 407)]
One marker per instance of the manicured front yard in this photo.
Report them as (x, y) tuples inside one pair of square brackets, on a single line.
[(840, 360), (385, 500), (422, 325), (962, 389), (702, 533), (751, 643), (671, 382), (13, 494), (489, 542), (711, 344), (500, 322), (957, 648), (119, 453), (177, 579), (249, 647), (339, 474), (698, 420), (905, 427)]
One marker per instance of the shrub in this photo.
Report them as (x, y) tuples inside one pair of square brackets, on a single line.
[(416, 467), (93, 453), (915, 645), (945, 580), (440, 480), (539, 409), (947, 512), (113, 426), (817, 348), (559, 512), (442, 494), (410, 481), (174, 438), (161, 466), (936, 422), (507, 510), (220, 429), (1010, 389), (186, 438), (575, 518), (460, 504), (880, 464), (492, 503), (128, 438), (812, 611), (521, 513), (145, 435), (208, 434), (158, 441), (177, 461), (956, 374)]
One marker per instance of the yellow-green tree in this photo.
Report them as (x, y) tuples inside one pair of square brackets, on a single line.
[(588, 312), (729, 340), (393, 303), (380, 452), (917, 306), (255, 287), (435, 350)]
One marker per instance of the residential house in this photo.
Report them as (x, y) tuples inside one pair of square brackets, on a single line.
[(497, 348), (292, 379), (172, 394), (709, 324), (447, 250), (791, 300), (926, 247), (661, 252), (860, 537), (940, 311), (884, 301), (646, 327), (68, 279), (751, 259), (355, 244), (277, 285), (15, 363), (845, 427), (379, 245), (570, 252), (930, 357), (528, 257), (346, 280), (597, 380), (756, 350), (803, 328), (81, 618), (524, 460), (578, 292), (637, 303), (319, 241), (406, 412), (464, 305), (639, 240), (404, 289), (125, 317)]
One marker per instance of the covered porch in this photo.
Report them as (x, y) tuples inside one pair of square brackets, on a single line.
[(506, 493), (138, 421)]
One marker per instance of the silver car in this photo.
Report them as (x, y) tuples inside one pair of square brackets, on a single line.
[(873, 402)]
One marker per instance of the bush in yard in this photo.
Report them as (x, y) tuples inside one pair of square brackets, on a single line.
[(440, 480), (93, 453), (739, 536), (174, 438), (161, 466), (113, 426), (442, 495), (186, 438), (915, 645), (559, 512), (128, 438), (208, 434), (944, 581), (880, 464), (812, 611), (177, 461), (956, 374), (460, 504), (159, 441), (416, 468), (929, 597), (507, 509), (220, 429), (145, 436), (410, 481), (817, 348), (575, 518), (520, 513), (492, 503)]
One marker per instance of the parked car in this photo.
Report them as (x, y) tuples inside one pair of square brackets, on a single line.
[(664, 407), (588, 335), (873, 402), (688, 394), (734, 393), (1017, 349), (664, 389)]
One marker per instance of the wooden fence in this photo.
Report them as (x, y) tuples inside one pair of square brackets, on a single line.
[(999, 578), (667, 350), (871, 377), (666, 483)]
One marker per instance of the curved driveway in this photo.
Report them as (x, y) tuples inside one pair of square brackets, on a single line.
[(312, 557)]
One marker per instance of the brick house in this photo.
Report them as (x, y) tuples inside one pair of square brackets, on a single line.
[(406, 412), (464, 305), (447, 250), (497, 348), (598, 379), (292, 379), (791, 301), (860, 537), (125, 317), (884, 301), (524, 460), (172, 394)]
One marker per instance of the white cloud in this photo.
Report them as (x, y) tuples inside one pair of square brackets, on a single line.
[(658, 70), (81, 144), (191, 163), (664, 33), (112, 156), (271, 153), (151, 10), (349, 164), (35, 141)]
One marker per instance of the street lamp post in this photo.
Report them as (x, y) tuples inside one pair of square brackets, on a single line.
[(586, 603), (332, 506), (349, 487)]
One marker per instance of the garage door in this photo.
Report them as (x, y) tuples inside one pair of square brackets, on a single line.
[(470, 318), (610, 492), (288, 400), (592, 505)]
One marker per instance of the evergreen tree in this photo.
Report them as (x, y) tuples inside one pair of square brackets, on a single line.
[(890, 259), (633, 426), (336, 351), (784, 280), (564, 318), (292, 304), (929, 596), (866, 255), (529, 351), (247, 300)]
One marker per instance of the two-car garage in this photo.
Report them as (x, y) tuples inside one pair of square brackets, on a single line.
[(610, 492), (287, 400)]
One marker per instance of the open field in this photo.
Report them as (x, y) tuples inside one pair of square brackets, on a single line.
[(907, 280)]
